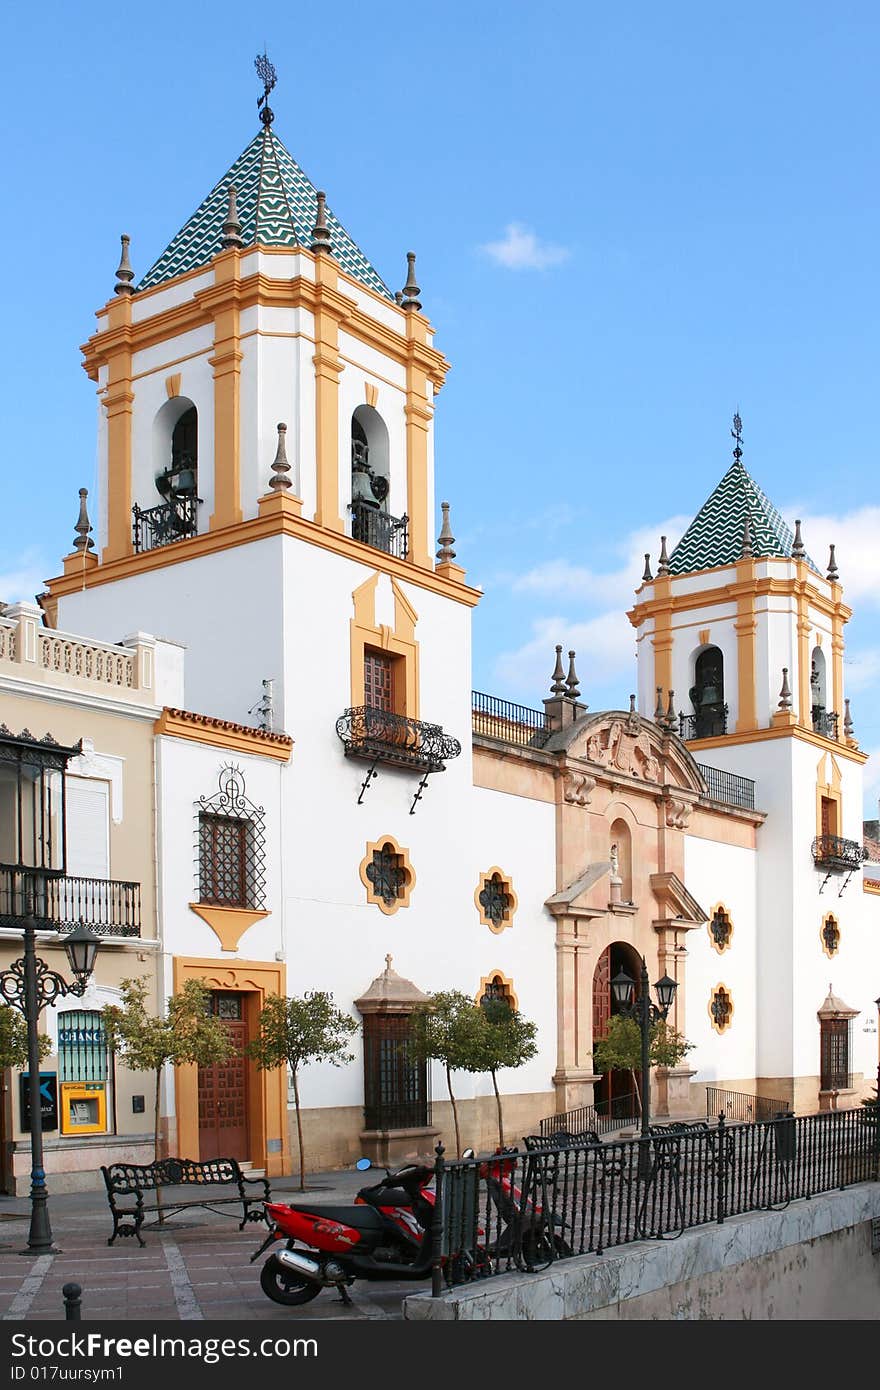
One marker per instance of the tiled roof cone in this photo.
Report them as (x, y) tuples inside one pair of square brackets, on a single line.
[(83, 527), (572, 683), (231, 227), (445, 540), (833, 571), (411, 290), (785, 692), (321, 232), (124, 272), (280, 465), (558, 677)]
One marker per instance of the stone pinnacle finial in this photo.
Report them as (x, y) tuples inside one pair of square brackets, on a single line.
[(558, 678), (658, 708), (647, 576), (572, 683), (632, 704), (848, 725), (663, 567), (321, 230), (833, 571), (411, 290), (124, 272), (671, 720), (798, 549), (785, 692), (445, 540), (746, 553), (388, 959), (83, 527), (280, 465), (231, 229)]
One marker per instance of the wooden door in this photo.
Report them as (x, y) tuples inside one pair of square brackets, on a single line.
[(602, 995), (223, 1090)]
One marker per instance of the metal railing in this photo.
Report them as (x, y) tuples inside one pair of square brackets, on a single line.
[(378, 529), (738, 1106), (709, 724), (108, 906), (494, 718), (825, 722), (728, 787), (380, 736), (833, 853), (523, 1211), (164, 524), (602, 1118)]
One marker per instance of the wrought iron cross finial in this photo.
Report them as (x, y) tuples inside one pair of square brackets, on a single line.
[(737, 434), (268, 76)]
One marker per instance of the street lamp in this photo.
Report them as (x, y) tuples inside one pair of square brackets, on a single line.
[(646, 1014), (29, 985)]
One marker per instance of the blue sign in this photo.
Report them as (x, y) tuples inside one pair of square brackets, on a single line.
[(48, 1100)]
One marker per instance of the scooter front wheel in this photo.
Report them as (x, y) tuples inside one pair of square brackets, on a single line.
[(285, 1285)]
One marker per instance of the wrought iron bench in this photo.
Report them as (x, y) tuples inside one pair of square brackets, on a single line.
[(132, 1180), (562, 1139)]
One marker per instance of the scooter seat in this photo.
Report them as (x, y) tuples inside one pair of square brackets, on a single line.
[(362, 1218), (386, 1196)]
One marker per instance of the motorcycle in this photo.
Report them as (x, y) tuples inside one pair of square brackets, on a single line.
[(530, 1231), (384, 1234)]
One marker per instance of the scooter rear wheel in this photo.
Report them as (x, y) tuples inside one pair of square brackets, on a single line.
[(285, 1285)]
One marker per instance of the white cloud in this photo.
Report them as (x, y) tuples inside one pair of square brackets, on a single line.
[(862, 669), (521, 249), (593, 587), (605, 646), (23, 577), (854, 535)]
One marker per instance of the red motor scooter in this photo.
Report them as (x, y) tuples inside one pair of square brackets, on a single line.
[(384, 1234)]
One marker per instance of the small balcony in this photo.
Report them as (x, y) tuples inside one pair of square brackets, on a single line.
[(709, 723), (834, 855), (59, 902), (379, 529), (378, 736), (175, 520), (825, 722)]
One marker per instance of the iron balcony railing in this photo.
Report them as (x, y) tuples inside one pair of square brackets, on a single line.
[(494, 718), (164, 524), (108, 906), (709, 724), (512, 1211), (825, 722), (738, 1106), (836, 855), (728, 786), (376, 528), (382, 737)]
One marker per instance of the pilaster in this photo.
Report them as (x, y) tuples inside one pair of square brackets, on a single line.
[(118, 401), (418, 415), (226, 362), (328, 369)]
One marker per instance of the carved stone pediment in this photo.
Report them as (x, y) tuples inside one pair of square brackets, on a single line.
[(633, 746)]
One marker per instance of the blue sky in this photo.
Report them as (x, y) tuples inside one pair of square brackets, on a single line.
[(629, 221)]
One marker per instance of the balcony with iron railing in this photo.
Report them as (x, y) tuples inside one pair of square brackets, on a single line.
[(825, 722), (59, 902), (174, 520), (834, 854), (379, 529), (378, 736), (709, 723), (510, 723)]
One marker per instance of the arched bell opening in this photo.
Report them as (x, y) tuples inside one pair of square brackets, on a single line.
[(171, 513), (707, 695), (824, 720), (372, 521), (615, 1094)]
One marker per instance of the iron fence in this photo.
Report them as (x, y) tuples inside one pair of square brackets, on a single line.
[(379, 529), (825, 722), (165, 523), (600, 1118), (708, 724), (524, 1210), (737, 1105), (728, 786), (108, 906), (494, 718)]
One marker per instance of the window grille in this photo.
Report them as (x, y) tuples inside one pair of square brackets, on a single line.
[(82, 1046), (496, 991), (721, 1009), (395, 1083), (387, 874), (831, 935), (495, 900), (231, 846), (721, 929), (834, 1047)]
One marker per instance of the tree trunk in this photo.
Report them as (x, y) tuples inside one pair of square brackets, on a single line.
[(637, 1088), (159, 1213), (299, 1133), (500, 1116), (454, 1113)]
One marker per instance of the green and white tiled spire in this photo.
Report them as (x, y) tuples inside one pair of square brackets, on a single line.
[(276, 206)]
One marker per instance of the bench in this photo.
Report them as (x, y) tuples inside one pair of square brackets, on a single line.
[(132, 1180)]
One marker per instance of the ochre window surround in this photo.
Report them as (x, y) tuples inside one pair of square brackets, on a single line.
[(720, 928), (397, 644), (495, 900), (829, 935), (387, 874), (720, 1008), (495, 985), (829, 798)]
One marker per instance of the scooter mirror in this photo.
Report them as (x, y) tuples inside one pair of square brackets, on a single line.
[(363, 1164), (468, 1153)]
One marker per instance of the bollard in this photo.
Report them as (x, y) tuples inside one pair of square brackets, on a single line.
[(72, 1302)]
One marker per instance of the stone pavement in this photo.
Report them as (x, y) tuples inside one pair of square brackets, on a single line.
[(196, 1268)]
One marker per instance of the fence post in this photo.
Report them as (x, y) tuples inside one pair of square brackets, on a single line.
[(72, 1302), (722, 1170), (437, 1226)]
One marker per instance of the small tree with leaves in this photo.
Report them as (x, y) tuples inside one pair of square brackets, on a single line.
[(448, 1029), (621, 1049), (14, 1039), (296, 1031), (147, 1042), (505, 1040)]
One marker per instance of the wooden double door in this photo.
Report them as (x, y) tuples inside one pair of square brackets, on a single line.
[(223, 1088)]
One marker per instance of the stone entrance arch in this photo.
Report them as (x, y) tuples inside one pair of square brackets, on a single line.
[(615, 1087)]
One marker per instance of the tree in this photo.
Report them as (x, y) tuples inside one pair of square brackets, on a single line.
[(146, 1042), (297, 1031), (506, 1039), (448, 1029), (14, 1039), (621, 1048)]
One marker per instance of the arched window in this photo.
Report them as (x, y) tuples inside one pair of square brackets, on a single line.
[(371, 521), (707, 695), (824, 720), (173, 515), (621, 855)]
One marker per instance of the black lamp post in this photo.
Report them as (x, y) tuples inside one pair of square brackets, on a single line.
[(646, 1014), (29, 985)]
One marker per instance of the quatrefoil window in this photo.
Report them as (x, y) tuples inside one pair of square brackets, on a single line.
[(387, 874), (495, 900), (720, 928), (830, 935), (721, 1008)]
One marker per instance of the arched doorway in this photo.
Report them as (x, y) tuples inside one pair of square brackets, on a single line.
[(615, 1092)]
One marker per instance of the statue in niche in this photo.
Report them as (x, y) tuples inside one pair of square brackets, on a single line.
[(615, 862)]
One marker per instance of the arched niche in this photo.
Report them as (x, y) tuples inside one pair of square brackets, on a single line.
[(818, 689), (176, 449), (707, 693), (370, 459), (620, 840)]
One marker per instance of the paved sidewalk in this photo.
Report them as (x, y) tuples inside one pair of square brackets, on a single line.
[(197, 1267)]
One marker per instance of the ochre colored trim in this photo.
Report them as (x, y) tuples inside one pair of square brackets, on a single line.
[(409, 882), (267, 1090), (223, 733), (746, 629), (826, 916), (118, 399), (226, 362), (261, 528), (665, 599), (506, 981), (507, 889), (871, 885), (401, 643), (719, 950), (719, 1029), (330, 310), (840, 750), (829, 791), (228, 924), (418, 414)]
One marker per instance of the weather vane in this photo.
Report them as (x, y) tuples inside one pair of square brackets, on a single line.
[(268, 76), (737, 434)]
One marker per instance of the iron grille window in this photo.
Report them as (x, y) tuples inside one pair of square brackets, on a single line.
[(496, 991), (495, 899), (721, 1009), (82, 1046), (831, 935), (231, 846), (721, 928), (387, 874), (834, 1046), (395, 1083)]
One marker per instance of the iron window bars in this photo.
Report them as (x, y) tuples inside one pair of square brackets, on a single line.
[(231, 846)]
